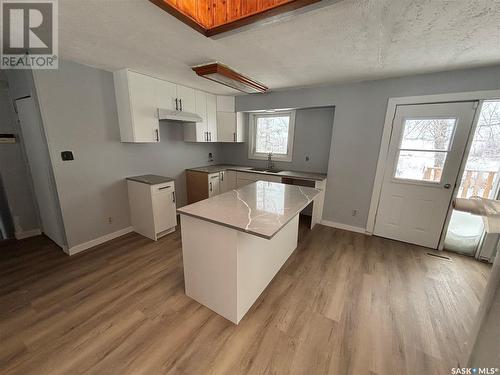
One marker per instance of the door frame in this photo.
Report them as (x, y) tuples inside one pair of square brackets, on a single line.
[(392, 105)]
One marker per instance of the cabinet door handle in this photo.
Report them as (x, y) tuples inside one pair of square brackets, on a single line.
[(157, 135), (222, 176), (234, 137), (180, 105), (210, 136), (164, 187), (176, 104), (210, 186), (173, 196)]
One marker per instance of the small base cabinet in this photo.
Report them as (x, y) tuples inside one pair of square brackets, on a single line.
[(152, 208)]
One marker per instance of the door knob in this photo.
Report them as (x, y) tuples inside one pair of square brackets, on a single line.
[(447, 186)]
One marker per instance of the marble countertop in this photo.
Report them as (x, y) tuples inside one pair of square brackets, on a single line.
[(150, 179), (261, 208), (283, 173)]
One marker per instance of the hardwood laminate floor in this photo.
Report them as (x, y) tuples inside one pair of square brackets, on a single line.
[(344, 303)]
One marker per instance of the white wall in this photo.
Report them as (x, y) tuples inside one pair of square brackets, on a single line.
[(313, 133), (359, 119), (14, 170), (484, 346), (79, 114)]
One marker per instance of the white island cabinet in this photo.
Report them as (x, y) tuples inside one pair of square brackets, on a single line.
[(152, 205), (233, 244)]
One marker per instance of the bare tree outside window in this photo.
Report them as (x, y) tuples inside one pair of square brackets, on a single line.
[(481, 175), (272, 135), (424, 148)]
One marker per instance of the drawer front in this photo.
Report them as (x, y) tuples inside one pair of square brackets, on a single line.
[(160, 188)]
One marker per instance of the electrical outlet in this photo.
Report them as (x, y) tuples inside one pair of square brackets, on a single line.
[(354, 212), (307, 157), (110, 220)]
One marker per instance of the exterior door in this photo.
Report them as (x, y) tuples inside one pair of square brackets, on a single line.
[(423, 162)]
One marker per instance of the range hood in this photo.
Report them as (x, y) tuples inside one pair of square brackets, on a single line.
[(168, 114)]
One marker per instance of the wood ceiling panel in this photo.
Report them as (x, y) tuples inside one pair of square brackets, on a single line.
[(205, 13), (212, 17), (220, 12)]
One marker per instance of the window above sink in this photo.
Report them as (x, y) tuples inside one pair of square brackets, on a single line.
[(271, 133)]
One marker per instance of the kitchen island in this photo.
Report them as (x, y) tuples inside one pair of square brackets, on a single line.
[(234, 243)]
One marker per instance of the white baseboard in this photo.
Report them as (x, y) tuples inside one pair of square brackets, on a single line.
[(28, 233), (98, 241), (350, 228)]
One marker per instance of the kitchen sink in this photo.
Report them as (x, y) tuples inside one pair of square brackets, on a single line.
[(259, 169), (266, 170)]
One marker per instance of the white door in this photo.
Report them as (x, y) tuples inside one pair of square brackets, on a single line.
[(222, 182), (166, 94), (423, 161), (226, 126), (187, 99), (164, 211), (143, 102), (213, 184), (212, 118), (201, 110), (37, 153)]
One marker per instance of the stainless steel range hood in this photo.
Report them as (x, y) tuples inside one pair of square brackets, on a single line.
[(168, 114)]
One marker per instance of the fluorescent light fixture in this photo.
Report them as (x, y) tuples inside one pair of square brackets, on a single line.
[(226, 76)]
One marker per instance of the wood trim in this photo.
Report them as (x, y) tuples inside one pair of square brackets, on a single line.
[(252, 18), (214, 68)]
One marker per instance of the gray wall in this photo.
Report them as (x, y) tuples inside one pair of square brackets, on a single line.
[(313, 133), (359, 119), (79, 114), (14, 170)]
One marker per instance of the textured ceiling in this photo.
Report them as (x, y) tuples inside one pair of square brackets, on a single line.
[(349, 40)]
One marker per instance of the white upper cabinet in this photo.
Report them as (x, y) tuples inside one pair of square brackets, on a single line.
[(139, 96), (205, 131), (166, 94), (137, 107), (229, 123), (187, 99), (200, 129), (225, 103), (212, 118)]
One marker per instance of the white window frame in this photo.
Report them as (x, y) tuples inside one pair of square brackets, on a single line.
[(253, 131)]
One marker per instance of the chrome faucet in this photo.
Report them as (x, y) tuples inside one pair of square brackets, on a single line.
[(270, 162)]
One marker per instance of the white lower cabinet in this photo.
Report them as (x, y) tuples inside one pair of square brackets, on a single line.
[(213, 184), (227, 181), (152, 208)]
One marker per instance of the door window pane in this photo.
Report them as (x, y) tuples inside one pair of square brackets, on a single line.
[(427, 134), (420, 165), (272, 134)]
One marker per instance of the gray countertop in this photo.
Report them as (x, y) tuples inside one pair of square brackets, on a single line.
[(283, 173), (151, 179), (261, 208)]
